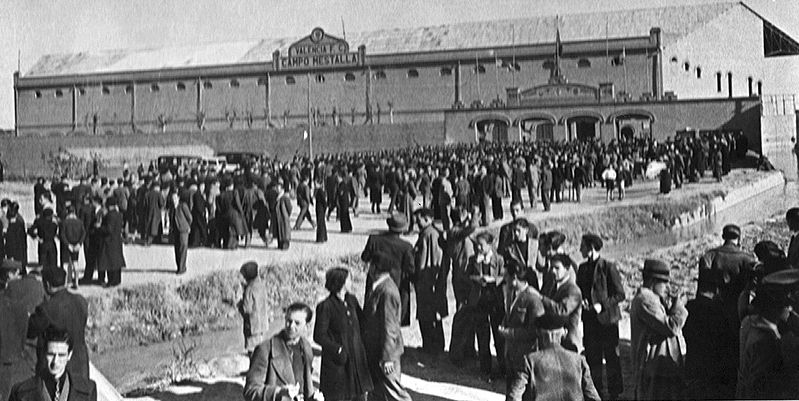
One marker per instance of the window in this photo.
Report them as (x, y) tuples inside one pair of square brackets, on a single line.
[(349, 77), (234, 83), (446, 71), (380, 74), (718, 82), (729, 84), (584, 63), (750, 81), (155, 88), (129, 89), (208, 85), (106, 90), (320, 78), (37, 95), (674, 59), (686, 66), (81, 91), (413, 73), (617, 61), (261, 81), (760, 88), (480, 69), (59, 93), (548, 65), (180, 86), (290, 80), (699, 72)]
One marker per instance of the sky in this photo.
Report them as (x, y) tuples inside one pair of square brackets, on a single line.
[(32, 28)]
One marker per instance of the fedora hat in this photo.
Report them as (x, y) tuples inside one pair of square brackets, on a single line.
[(397, 223), (656, 269)]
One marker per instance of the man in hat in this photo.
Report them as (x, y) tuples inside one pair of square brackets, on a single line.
[(656, 321), (735, 266), (400, 260), (601, 289), (552, 372), (710, 366), (767, 365), (431, 283), (111, 260)]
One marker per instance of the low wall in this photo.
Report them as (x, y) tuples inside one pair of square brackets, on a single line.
[(26, 156)]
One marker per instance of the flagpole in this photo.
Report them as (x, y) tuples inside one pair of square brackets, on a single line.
[(513, 56), (477, 72), (624, 65), (310, 125), (607, 50)]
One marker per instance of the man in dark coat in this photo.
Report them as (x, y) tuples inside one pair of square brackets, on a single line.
[(55, 381), (374, 181), (198, 235), (65, 311), (304, 202), (546, 184), (15, 365), (600, 285), (399, 260), (792, 220), (345, 193), (248, 195), (94, 242), (431, 283), (112, 258), (45, 230), (28, 290), (280, 368), (38, 191), (154, 203), (181, 225), (282, 218), (392, 180), (229, 217), (382, 336)]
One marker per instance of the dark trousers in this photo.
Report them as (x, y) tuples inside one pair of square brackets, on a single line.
[(600, 342), (387, 387), (432, 336), (181, 241), (486, 324), (496, 207), (516, 194), (91, 253), (444, 211), (305, 214), (531, 192), (282, 244), (545, 198), (484, 206), (48, 255), (114, 276)]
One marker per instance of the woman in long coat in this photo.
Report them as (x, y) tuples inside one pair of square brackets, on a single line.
[(320, 199), (344, 195), (345, 372), (112, 259), (16, 241)]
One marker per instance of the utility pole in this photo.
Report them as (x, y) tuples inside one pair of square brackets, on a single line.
[(310, 125)]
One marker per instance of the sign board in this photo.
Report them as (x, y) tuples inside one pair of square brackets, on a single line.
[(318, 50)]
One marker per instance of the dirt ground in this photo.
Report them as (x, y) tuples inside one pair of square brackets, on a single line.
[(220, 353)]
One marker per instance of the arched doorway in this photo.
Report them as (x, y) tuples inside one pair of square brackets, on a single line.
[(630, 124), (582, 125), (490, 128), (536, 126)]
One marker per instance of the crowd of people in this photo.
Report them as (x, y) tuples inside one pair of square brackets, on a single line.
[(554, 323)]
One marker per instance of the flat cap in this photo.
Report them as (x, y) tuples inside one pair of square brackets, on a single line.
[(731, 231), (249, 270)]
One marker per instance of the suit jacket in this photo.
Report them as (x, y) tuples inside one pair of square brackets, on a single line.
[(270, 368), (80, 389), (345, 372), (154, 202), (458, 250), (400, 254), (431, 276), (554, 373), (512, 254), (605, 289), (28, 291), (182, 218), (565, 302), (69, 312), (520, 321), (15, 365), (382, 337)]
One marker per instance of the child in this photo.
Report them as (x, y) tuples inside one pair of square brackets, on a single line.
[(73, 234), (254, 307)]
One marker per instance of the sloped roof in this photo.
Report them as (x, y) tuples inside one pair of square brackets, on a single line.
[(674, 21)]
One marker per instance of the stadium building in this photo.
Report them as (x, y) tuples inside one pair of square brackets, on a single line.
[(644, 72)]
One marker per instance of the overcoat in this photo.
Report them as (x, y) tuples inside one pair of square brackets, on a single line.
[(80, 389), (345, 372), (68, 312), (431, 276), (283, 218), (112, 257), (400, 255), (154, 202), (270, 369), (14, 364)]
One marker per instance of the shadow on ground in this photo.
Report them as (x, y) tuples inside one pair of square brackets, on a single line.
[(440, 369), (199, 391)]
